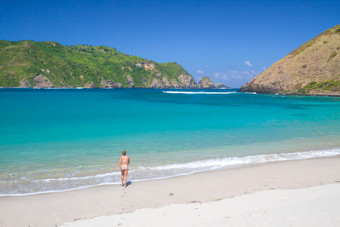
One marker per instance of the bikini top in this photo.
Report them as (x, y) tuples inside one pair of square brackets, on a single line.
[(124, 161)]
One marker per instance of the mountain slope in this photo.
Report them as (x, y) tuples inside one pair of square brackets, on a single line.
[(50, 64), (313, 68)]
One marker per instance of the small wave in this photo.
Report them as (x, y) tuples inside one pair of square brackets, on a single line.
[(199, 92), (249, 93), (81, 178), (255, 159), (55, 191), (145, 173)]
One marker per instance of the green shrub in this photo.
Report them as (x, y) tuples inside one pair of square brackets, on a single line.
[(299, 85), (329, 85), (302, 91), (332, 55), (312, 85)]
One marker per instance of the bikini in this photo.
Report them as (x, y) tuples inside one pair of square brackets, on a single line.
[(124, 167)]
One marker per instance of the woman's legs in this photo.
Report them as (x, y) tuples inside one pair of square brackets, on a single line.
[(122, 171), (125, 176)]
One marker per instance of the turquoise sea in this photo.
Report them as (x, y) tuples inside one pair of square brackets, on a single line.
[(63, 139)]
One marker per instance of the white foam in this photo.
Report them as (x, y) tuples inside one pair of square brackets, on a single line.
[(199, 92), (166, 171), (255, 159), (54, 191), (81, 178), (252, 93)]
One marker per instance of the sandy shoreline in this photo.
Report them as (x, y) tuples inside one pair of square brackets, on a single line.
[(57, 208), (312, 206)]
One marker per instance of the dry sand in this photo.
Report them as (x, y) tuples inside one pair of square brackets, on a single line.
[(315, 206), (179, 196)]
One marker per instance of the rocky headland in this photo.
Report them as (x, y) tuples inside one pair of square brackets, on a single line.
[(311, 69), (50, 64)]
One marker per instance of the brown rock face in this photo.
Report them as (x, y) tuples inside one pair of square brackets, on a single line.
[(187, 81), (89, 85), (147, 65), (313, 68), (205, 83), (166, 83), (174, 84), (24, 83), (130, 81), (109, 84), (156, 83), (42, 82)]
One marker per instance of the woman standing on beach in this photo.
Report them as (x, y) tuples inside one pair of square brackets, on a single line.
[(124, 162)]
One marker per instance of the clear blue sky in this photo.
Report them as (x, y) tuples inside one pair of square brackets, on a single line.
[(230, 41)]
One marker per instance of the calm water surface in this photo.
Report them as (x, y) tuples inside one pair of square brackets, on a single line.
[(61, 139)]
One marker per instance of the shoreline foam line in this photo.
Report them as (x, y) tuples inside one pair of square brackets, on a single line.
[(193, 189), (252, 159), (200, 92), (201, 166)]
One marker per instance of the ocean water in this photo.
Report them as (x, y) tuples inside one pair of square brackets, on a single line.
[(63, 139)]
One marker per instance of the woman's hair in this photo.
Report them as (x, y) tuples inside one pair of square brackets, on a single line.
[(124, 152)]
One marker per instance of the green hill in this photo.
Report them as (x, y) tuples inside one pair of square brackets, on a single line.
[(50, 64)]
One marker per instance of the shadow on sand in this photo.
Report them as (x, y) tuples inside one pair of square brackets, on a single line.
[(128, 183)]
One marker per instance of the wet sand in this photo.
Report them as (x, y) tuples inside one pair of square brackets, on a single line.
[(200, 189)]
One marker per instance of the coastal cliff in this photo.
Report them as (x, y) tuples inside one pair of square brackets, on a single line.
[(311, 69), (50, 64)]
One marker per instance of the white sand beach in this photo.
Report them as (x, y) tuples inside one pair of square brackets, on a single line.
[(314, 206), (292, 193)]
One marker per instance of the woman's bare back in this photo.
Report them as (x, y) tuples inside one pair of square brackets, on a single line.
[(125, 160)]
